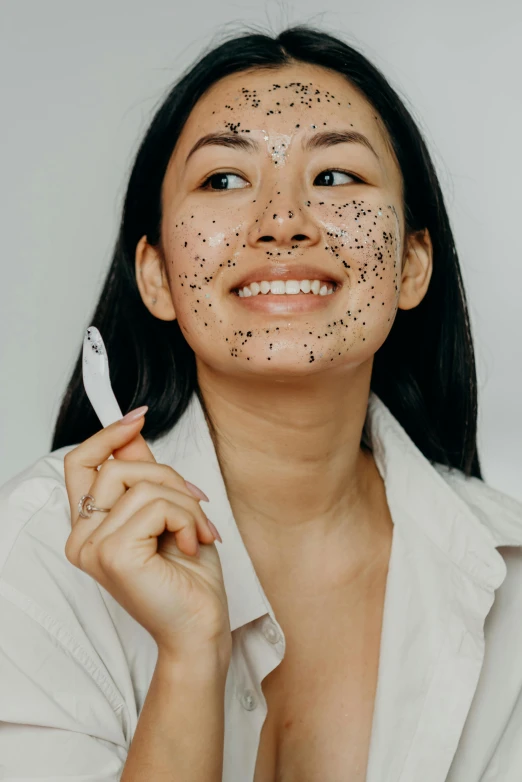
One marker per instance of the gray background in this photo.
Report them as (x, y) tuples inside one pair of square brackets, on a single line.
[(79, 82)]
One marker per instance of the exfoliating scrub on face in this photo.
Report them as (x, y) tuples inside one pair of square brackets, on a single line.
[(281, 230)]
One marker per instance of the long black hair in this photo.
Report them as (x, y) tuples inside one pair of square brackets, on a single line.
[(424, 371)]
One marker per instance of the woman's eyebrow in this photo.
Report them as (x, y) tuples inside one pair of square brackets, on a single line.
[(326, 138), (224, 139)]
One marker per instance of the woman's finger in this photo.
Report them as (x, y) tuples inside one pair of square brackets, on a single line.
[(114, 478), (80, 464), (134, 542), (141, 494)]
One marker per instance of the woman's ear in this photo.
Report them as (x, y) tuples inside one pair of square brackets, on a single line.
[(151, 281), (416, 270)]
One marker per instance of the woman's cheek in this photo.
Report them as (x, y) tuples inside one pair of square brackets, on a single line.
[(197, 260), (362, 236), (364, 240)]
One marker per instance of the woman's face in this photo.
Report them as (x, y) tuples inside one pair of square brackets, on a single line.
[(280, 193)]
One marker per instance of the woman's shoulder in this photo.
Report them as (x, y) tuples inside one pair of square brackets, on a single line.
[(51, 610), (30, 498), (498, 511), (63, 668), (35, 523)]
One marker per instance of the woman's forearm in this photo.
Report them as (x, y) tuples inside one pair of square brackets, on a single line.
[(180, 732)]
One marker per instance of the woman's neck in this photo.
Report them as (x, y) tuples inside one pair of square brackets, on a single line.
[(292, 462)]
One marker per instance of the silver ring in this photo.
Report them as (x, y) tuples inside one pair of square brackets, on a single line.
[(83, 506)]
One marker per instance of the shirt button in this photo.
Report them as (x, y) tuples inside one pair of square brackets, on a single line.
[(248, 700), (271, 633)]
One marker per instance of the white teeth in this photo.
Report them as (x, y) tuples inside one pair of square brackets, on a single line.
[(279, 286), (291, 287)]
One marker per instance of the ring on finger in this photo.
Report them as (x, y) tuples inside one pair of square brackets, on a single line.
[(86, 506)]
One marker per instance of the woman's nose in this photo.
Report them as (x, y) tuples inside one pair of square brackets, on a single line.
[(285, 225)]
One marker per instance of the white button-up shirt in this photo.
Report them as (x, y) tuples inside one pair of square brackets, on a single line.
[(75, 667)]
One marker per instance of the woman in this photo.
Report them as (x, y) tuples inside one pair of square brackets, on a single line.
[(285, 297)]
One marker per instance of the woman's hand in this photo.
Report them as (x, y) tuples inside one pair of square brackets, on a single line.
[(145, 550)]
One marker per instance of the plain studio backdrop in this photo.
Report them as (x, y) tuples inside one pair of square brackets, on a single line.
[(79, 83)]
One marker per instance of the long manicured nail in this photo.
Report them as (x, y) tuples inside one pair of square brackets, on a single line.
[(196, 492), (133, 415), (214, 531)]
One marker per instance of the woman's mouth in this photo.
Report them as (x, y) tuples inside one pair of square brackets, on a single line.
[(286, 296)]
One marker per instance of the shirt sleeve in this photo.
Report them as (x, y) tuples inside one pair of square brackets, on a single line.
[(56, 723), (63, 717), (75, 756)]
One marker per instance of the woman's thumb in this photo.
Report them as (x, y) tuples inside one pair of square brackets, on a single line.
[(136, 449)]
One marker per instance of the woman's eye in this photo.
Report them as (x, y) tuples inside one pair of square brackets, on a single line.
[(219, 181), (328, 175)]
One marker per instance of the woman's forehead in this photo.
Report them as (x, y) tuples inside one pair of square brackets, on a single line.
[(278, 107), (290, 96)]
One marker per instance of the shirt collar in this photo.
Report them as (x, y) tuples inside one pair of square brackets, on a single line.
[(462, 518)]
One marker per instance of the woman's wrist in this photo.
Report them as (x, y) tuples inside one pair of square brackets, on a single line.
[(209, 661)]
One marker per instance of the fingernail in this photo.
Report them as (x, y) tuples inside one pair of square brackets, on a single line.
[(196, 492), (134, 415), (214, 531)]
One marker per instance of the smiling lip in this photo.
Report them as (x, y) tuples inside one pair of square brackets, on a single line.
[(285, 304), (287, 272)]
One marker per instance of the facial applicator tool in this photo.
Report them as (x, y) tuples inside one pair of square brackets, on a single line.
[(96, 379)]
